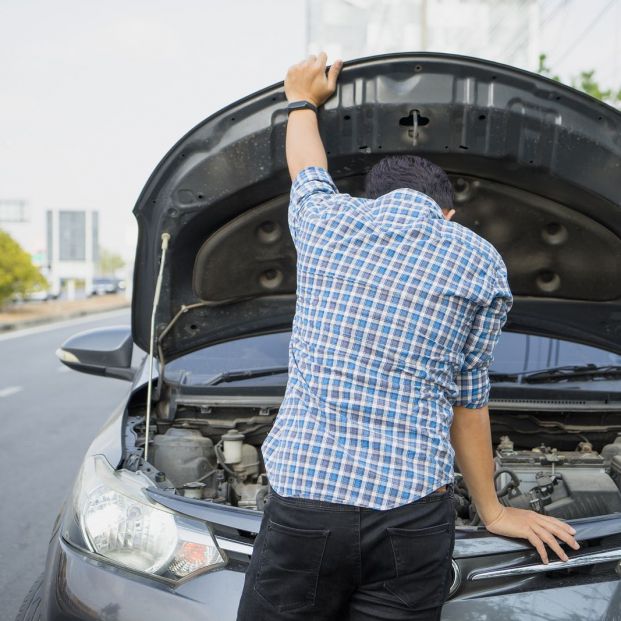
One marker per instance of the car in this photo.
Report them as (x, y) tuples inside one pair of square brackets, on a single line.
[(164, 512), (39, 294), (103, 285)]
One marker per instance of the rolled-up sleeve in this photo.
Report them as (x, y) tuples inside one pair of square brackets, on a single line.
[(472, 381)]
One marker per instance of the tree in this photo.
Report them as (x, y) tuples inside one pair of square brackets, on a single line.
[(585, 81), (18, 275), (109, 262)]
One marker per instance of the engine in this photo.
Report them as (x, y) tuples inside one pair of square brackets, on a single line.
[(213, 453), (562, 484), (206, 453)]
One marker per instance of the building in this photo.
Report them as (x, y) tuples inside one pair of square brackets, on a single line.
[(501, 30), (72, 247)]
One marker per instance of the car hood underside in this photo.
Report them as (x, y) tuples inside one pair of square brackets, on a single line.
[(536, 168)]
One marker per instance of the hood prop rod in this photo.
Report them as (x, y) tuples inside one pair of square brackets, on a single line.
[(160, 352), (156, 300)]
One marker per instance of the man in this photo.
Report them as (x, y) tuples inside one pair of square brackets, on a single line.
[(397, 314)]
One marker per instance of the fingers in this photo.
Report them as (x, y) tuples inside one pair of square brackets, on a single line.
[(536, 542), (559, 523), (560, 530), (322, 59), (550, 540), (333, 74)]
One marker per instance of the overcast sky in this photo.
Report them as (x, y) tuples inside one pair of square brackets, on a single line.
[(94, 93)]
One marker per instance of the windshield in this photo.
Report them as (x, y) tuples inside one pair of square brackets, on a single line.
[(515, 353)]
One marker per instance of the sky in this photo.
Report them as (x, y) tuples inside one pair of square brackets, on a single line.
[(94, 93)]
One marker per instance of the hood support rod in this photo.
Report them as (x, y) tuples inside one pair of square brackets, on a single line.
[(156, 300)]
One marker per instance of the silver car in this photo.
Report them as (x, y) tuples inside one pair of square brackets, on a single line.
[(162, 519)]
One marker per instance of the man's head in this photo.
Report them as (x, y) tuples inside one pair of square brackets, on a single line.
[(410, 171)]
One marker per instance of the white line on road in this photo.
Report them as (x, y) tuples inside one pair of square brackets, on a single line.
[(11, 390), (57, 325)]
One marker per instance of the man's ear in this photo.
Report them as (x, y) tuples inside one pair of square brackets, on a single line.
[(448, 214)]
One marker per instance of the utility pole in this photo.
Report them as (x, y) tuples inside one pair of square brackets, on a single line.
[(423, 25)]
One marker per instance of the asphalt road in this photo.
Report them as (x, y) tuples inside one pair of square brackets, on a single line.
[(49, 416)]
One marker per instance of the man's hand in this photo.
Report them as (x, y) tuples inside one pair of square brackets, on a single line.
[(308, 80), (471, 439), (538, 529)]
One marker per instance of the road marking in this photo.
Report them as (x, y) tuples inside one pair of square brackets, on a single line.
[(57, 325), (11, 390)]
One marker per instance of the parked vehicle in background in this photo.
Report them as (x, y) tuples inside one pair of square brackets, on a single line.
[(162, 520), (43, 294), (104, 285)]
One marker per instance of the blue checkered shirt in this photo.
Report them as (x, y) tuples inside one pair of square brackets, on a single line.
[(398, 311)]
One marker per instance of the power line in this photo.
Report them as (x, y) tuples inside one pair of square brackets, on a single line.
[(502, 11), (510, 52), (588, 29)]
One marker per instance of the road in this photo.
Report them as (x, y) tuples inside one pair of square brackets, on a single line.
[(49, 417)]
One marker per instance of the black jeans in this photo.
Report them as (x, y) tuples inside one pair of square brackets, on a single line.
[(321, 561)]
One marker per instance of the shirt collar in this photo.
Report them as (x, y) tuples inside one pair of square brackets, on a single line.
[(420, 205)]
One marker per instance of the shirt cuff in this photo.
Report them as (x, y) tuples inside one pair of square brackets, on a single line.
[(473, 389), (310, 180)]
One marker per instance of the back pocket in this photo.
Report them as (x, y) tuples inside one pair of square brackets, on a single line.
[(289, 566), (422, 564)]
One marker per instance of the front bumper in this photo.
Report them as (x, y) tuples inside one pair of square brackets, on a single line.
[(78, 587)]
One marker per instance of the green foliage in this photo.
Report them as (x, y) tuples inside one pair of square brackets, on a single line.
[(18, 276), (585, 81), (543, 69), (109, 262)]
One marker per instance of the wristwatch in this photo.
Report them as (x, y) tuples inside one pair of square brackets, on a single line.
[(301, 105)]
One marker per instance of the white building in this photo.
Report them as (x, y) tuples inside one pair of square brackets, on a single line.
[(502, 30), (72, 247)]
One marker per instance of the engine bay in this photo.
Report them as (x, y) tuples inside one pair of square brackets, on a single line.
[(212, 453)]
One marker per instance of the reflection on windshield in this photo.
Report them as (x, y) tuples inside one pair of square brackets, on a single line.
[(256, 352), (515, 353)]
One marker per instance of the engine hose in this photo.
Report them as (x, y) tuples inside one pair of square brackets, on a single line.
[(514, 483), (207, 475)]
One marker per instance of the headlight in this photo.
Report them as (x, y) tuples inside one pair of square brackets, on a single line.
[(115, 519)]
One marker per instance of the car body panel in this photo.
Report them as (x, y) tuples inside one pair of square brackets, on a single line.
[(79, 587), (536, 167)]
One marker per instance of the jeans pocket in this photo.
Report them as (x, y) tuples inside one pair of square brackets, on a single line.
[(289, 566), (422, 564)]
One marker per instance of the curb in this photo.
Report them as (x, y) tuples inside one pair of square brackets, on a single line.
[(9, 326)]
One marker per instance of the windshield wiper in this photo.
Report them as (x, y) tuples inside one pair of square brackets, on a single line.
[(233, 376), (559, 374)]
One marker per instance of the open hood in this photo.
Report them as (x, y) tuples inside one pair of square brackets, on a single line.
[(536, 167)]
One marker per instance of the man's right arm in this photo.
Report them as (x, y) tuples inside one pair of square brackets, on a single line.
[(471, 439), (471, 434)]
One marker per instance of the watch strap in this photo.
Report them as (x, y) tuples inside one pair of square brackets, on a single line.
[(301, 105)]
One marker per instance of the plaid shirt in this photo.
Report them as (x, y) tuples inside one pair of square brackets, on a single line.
[(398, 311)]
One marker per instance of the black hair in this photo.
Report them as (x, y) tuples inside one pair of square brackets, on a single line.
[(410, 171)]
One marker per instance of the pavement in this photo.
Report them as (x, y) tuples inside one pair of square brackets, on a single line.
[(49, 417)]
